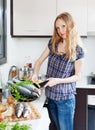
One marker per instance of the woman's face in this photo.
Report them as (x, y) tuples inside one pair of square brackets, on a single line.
[(61, 28)]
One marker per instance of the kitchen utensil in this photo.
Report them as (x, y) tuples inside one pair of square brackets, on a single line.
[(36, 89), (40, 85)]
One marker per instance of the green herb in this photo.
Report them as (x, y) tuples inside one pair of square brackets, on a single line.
[(3, 125), (18, 126), (16, 94), (25, 82)]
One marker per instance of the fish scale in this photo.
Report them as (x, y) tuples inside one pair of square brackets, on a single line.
[(24, 91), (19, 109), (27, 110), (21, 89), (32, 88)]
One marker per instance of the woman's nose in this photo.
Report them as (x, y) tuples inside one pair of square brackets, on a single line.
[(61, 30)]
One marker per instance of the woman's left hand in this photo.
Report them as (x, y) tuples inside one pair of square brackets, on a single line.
[(52, 82)]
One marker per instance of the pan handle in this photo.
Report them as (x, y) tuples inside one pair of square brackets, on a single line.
[(36, 85), (42, 84)]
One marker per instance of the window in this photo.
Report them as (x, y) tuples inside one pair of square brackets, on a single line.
[(3, 57)]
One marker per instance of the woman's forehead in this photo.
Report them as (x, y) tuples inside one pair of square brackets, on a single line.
[(60, 22)]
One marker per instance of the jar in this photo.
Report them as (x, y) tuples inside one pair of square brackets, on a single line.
[(25, 73)]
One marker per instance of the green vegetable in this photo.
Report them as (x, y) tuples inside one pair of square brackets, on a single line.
[(13, 88), (18, 126), (3, 125), (16, 93)]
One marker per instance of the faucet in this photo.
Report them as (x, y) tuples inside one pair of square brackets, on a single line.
[(13, 72)]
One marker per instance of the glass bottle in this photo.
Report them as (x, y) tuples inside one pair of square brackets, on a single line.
[(5, 93)]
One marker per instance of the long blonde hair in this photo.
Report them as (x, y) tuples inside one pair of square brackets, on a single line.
[(72, 36)]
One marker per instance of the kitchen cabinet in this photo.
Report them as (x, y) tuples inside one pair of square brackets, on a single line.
[(78, 9), (91, 17), (32, 17), (91, 117), (81, 114), (35, 18)]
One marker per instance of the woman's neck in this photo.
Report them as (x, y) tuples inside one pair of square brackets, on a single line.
[(62, 47)]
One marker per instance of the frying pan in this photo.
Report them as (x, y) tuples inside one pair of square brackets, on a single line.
[(39, 86)]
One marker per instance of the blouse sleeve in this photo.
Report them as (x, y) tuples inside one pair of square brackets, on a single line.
[(80, 52)]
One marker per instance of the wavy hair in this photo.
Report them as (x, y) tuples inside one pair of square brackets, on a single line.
[(72, 36)]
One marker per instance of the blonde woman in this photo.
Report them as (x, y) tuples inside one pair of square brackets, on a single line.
[(65, 59)]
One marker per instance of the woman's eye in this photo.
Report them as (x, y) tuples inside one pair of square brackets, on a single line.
[(63, 26)]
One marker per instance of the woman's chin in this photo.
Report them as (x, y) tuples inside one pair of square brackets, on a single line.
[(63, 37)]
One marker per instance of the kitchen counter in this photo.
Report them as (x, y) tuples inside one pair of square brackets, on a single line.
[(82, 88), (83, 84), (37, 124)]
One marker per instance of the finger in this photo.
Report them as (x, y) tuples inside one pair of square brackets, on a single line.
[(33, 79), (46, 85), (29, 78)]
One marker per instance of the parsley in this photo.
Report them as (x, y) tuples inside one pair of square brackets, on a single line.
[(14, 91), (18, 126), (3, 125)]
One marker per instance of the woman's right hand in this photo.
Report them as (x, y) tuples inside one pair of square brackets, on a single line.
[(34, 78)]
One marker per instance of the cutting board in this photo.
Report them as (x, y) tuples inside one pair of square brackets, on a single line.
[(10, 114)]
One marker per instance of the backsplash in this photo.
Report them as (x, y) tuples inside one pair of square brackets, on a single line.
[(19, 48)]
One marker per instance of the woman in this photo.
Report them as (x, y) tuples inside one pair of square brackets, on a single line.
[(65, 59)]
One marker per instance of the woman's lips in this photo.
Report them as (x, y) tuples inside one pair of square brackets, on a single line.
[(63, 35)]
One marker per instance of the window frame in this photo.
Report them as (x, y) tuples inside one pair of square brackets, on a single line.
[(3, 56)]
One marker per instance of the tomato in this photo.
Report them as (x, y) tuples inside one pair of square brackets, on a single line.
[(1, 117)]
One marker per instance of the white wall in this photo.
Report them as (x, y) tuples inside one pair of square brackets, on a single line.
[(19, 48), (89, 64)]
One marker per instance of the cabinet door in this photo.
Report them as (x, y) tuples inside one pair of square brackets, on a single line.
[(78, 9), (33, 17), (91, 17)]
